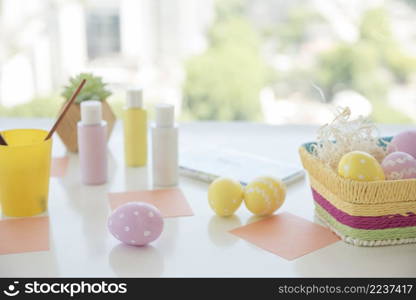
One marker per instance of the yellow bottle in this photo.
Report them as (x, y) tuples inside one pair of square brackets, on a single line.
[(135, 129)]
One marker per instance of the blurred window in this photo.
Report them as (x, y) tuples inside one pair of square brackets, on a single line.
[(103, 32)]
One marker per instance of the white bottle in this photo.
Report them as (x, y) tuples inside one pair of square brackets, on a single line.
[(165, 147)]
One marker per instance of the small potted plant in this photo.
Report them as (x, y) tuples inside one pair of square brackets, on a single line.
[(94, 89)]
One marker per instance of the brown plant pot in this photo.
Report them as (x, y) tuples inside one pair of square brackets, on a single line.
[(67, 130)]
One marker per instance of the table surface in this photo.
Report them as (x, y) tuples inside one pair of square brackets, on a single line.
[(197, 246)]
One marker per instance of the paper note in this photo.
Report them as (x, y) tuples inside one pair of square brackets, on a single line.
[(286, 235), (24, 235), (59, 166), (170, 202)]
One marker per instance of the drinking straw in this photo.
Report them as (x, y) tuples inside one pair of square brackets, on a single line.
[(2, 140), (68, 104)]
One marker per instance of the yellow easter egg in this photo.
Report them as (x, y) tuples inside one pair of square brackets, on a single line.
[(225, 196), (264, 195), (361, 166)]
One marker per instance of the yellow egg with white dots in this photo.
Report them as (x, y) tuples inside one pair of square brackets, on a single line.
[(225, 196), (361, 166), (264, 195)]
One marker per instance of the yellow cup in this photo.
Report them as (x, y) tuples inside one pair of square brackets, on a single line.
[(24, 172)]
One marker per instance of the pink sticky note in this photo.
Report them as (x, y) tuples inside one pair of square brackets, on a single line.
[(286, 235), (170, 202), (59, 166), (24, 235)]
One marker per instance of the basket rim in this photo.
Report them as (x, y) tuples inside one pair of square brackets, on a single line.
[(382, 142)]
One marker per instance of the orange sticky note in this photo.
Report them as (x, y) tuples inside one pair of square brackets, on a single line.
[(59, 166), (24, 235), (286, 235), (170, 202)]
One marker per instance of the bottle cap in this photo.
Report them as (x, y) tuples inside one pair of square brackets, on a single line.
[(134, 98), (91, 112), (165, 115)]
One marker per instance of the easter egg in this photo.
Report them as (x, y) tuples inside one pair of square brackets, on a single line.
[(399, 165), (361, 166), (136, 223), (404, 142), (264, 195), (225, 196)]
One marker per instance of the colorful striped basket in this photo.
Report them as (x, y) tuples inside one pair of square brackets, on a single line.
[(373, 213)]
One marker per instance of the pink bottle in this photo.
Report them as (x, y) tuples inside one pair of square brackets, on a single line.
[(92, 144)]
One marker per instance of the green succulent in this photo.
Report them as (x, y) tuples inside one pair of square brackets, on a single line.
[(94, 88)]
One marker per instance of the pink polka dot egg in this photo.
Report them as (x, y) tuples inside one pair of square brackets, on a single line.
[(136, 223), (404, 142), (399, 165)]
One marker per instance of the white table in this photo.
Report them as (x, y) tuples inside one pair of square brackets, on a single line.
[(80, 245)]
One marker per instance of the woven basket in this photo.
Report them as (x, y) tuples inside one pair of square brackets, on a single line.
[(362, 213)]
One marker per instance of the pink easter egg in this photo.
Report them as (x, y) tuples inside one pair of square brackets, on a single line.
[(404, 142), (399, 165), (136, 223)]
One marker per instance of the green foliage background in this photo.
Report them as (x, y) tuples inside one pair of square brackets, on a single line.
[(224, 82)]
